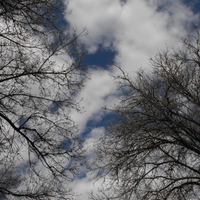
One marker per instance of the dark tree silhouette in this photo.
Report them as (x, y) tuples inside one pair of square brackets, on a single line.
[(151, 150), (40, 72)]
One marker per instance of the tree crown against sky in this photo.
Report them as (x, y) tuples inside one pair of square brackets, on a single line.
[(151, 148), (132, 45), (40, 72)]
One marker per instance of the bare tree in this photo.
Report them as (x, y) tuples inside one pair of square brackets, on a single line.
[(40, 72), (151, 150)]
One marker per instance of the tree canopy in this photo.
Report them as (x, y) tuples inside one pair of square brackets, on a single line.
[(40, 72), (151, 149)]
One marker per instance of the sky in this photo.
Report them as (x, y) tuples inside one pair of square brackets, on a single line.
[(125, 33)]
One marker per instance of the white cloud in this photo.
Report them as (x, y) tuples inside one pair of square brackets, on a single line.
[(84, 186), (96, 94), (99, 17), (94, 135), (111, 21)]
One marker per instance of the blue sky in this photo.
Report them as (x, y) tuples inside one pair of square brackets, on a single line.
[(102, 57), (124, 33)]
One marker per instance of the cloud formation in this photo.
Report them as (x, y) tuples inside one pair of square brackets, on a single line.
[(134, 26)]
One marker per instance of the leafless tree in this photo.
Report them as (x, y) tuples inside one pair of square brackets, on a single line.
[(151, 150), (40, 73)]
